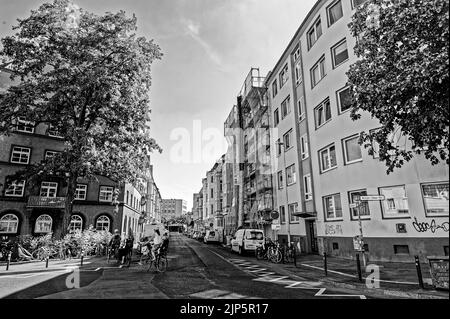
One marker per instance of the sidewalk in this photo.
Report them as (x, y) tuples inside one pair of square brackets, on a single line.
[(396, 279)]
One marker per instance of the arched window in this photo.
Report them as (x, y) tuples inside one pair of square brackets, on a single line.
[(43, 224), (9, 224), (76, 222), (103, 223)]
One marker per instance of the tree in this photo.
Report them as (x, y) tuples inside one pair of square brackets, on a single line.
[(401, 78), (88, 77)]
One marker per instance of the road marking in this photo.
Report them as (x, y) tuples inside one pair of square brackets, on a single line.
[(258, 270), (320, 293)]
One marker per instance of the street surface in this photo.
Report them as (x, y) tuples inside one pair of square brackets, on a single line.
[(195, 270)]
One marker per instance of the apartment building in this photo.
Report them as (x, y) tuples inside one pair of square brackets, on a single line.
[(37, 207), (331, 170), (173, 208), (289, 166)]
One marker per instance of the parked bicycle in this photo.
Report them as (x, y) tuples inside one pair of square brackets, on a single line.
[(289, 254), (270, 251)]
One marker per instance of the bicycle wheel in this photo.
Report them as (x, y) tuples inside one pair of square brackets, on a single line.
[(259, 253), (276, 256), (161, 266)]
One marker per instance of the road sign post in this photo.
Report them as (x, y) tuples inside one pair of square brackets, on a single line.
[(358, 203)]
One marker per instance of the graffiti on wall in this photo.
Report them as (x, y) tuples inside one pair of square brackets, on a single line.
[(422, 227), (333, 230)]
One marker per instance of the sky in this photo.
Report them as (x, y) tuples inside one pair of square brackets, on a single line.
[(208, 49)]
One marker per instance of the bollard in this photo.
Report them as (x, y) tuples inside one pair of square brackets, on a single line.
[(8, 261), (419, 272), (46, 262), (358, 267), (325, 263)]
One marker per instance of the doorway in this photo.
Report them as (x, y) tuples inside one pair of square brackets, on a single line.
[(311, 229)]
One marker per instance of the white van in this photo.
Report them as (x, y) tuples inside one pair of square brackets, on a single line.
[(247, 240), (212, 236)]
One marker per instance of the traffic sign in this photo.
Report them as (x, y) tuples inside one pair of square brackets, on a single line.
[(372, 197), (353, 205), (276, 226)]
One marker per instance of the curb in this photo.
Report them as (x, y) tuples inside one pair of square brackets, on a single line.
[(375, 291)]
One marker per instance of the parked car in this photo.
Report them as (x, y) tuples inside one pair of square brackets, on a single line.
[(211, 236), (247, 240)]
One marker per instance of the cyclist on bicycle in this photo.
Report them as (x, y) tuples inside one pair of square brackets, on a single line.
[(157, 241)]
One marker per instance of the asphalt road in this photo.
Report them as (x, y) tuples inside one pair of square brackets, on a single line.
[(195, 270)]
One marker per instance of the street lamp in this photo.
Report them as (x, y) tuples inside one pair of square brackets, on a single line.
[(287, 197)]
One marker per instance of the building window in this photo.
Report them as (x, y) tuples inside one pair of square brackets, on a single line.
[(106, 194), (322, 113), (314, 33), (212, 193), (15, 189), (20, 155), (274, 88), (364, 211), (344, 99), (24, 126), (212, 179), (333, 207), (301, 108), (339, 53), (298, 72), (276, 117), (50, 154), (304, 148), (80, 192), (284, 75), (286, 107), (334, 12), (435, 198), (401, 249), (103, 223), (292, 209), (279, 147), (335, 246), (53, 131), (308, 187), (280, 179), (352, 149), (287, 140), (290, 175), (395, 203), (327, 157), (9, 224), (48, 189), (318, 72), (76, 223), (43, 224), (128, 195), (282, 215), (296, 54)]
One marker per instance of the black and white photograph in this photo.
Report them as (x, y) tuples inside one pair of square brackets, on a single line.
[(224, 155)]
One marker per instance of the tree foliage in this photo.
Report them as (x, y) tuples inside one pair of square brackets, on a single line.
[(88, 76), (401, 78)]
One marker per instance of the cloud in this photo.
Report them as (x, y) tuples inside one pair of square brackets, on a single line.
[(193, 30)]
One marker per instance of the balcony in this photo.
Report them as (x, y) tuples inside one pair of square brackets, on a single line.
[(46, 202)]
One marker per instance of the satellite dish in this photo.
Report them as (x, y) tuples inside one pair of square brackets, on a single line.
[(274, 214)]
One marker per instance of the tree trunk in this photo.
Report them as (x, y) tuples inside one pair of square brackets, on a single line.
[(70, 195)]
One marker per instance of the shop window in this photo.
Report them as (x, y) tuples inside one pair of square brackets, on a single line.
[(9, 224)]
